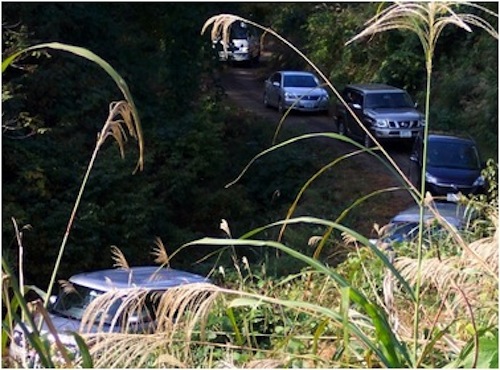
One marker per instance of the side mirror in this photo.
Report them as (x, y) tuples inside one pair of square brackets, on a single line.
[(356, 106), (276, 83), (52, 301)]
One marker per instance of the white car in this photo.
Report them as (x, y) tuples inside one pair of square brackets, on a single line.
[(302, 91), (68, 309), (404, 226), (243, 45)]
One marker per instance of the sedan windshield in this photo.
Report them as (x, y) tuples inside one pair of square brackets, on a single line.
[(239, 31), (299, 81), (73, 303), (388, 100), (453, 155)]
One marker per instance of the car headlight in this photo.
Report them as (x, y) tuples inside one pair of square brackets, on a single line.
[(382, 123), (430, 178), (18, 338), (421, 122), (244, 49), (290, 96), (479, 181)]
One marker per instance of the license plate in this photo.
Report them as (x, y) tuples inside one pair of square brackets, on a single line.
[(307, 105), (405, 134)]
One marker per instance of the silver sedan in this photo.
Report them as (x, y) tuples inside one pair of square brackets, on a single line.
[(299, 90)]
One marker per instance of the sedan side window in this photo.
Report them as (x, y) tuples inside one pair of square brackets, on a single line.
[(276, 78), (357, 99), (348, 96)]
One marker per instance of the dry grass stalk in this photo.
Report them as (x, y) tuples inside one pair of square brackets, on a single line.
[(121, 350), (160, 252), (178, 311), (182, 308), (462, 270), (420, 17), (67, 287), (120, 116), (224, 226), (119, 258)]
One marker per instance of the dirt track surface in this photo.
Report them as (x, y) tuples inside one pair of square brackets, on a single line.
[(244, 86)]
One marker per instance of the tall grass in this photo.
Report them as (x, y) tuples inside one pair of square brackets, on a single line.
[(123, 120), (427, 20), (365, 329)]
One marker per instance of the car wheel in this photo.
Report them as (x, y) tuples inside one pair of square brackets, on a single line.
[(341, 127), (256, 60), (367, 141), (281, 107), (414, 175), (266, 100)]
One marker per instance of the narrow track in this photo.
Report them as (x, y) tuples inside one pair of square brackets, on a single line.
[(244, 86)]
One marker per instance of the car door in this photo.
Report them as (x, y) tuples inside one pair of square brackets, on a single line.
[(416, 162), (355, 102), (274, 89)]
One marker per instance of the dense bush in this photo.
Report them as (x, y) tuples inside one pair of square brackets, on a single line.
[(193, 147)]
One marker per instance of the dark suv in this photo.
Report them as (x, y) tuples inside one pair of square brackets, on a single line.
[(387, 111), (453, 165)]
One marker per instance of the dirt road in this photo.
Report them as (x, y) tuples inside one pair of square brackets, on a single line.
[(244, 87)]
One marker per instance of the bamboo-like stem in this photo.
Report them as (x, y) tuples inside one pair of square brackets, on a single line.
[(111, 128), (70, 224), (422, 205)]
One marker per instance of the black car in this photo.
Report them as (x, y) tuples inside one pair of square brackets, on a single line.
[(387, 111), (453, 165)]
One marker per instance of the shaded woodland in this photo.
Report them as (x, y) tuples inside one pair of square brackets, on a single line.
[(54, 104)]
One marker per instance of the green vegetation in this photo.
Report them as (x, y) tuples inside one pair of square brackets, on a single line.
[(313, 294)]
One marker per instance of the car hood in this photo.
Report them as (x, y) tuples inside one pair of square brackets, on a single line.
[(455, 176), (66, 325), (305, 91), (395, 114), (63, 324)]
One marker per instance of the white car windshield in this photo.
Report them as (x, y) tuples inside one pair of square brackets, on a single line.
[(299, 81), (73, 303)]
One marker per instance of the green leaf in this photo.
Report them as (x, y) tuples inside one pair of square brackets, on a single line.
[(487, 357), (87, 54), (243, 302), (87, 362)]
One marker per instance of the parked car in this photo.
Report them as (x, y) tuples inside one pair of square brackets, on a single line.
[(299, 90), (404, 226), (453, 165), (67, 311), (386, 111), (243, 45)]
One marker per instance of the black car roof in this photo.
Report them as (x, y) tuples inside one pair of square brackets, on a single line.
[(374, 87), (445, 137)]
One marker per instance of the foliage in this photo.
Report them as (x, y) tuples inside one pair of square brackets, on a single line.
[(48, 167), (396, 58), (194, 148)]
